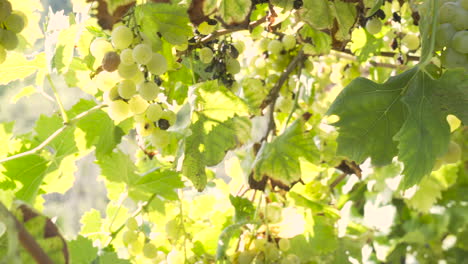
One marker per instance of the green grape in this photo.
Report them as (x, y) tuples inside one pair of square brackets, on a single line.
[(105, 81), (99, 47), (284, 244), (160, 139), (10, 40), (169, 116), (122, 37), (145, 128), (129, 236), (5, 9), (260, 244), (135, 248), (158, 64), (309, 66), (137, 104), (239, 45), (14, 23), (447, 12), (460, 19), (142, 53), (271, 252), (3, 55), (453, 59), (205, 28), (150, 251), (411, 41), (154, 112), (127, 71), (263, 44), (453, 154), (206, 55), (148, 90), (460, 42), (23, 16), (181, 47), (245, 257), (373, 25), (127, 89), (131, 223), (284, 104), (175, 257), (111, 61), (233, 66), (119, 110), (112, 94), (126, 57), (463, 3), (273, 213), (291, 259), (444, 35), (275, 47), (289, 41)]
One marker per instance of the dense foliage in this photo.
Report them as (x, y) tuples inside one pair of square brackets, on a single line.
[(241, 131)]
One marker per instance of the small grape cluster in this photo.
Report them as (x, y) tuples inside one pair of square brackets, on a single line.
[(452, 34), (130, 81), (12, 22)]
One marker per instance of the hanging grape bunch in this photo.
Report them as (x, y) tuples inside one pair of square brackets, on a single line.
[(128, 74), (12, 22), (452, 33)]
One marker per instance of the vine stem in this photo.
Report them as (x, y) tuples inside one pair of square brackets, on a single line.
[(54, 135), (58, 100), (25, 238), (226, 31)]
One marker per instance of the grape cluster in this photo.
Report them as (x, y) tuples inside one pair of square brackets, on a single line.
[(130, 82), (452, 34), (12, 22)]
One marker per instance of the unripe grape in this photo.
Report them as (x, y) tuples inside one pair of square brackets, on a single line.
[(291, 259), (460, 42), (126, 57), (263, 44), (99, 47), (160, 139), (5, 9), (135, 247), (154, 112), (460, 19), (127, 89), (122, 37), (271, 252), (150, 251), (158, 64), (111, 61), (175, 257), (129, 236), (411, 41), (245, 257), (127, 71), (453, 59), (289, 41), (145, 128), (275, 47), (148, 90), (373, 25), (233, 66), (181, 47), (260, 244), (3, 55), (131, 223), (444, 35), (111, 95), (284, 244), (239, 45), (453, 154), (14, 23), (205, 28), (206, 55), (169, 116), (309, 66), (137, 104), (10, 40), (142, 53), (284, 104), (119, 110), (447, 12)]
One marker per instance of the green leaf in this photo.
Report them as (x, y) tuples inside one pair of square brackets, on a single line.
[(99, 128), (111, 258), (91, 222), (345, 15), (25, 92), (317, 14), (244, 209), (324, 239), (193, 166), (118, 167), (82, 250), (375, 7), (373, 112), (428, 27), (234, 11), (280, 158), (225, 237), (169, 20), (62, 145), (65, 47), (162, 182), (18, 67), (425, 134)]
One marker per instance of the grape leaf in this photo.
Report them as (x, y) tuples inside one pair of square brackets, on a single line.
[(279, 159), (244, 209), (111, 258), (62, 145), (118, 167), (65, 47), (317, 14), (427, 27), (91, 222), (82, 250), (345, 15), (234, 11), (425, 134), (370, 115), (99, 128), (169, 20), (193, 166), (16, 66), (162, 182)]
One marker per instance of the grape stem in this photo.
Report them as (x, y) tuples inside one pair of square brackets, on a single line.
[(58, 100), (59, 131), (25, 238), (226, 31)]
